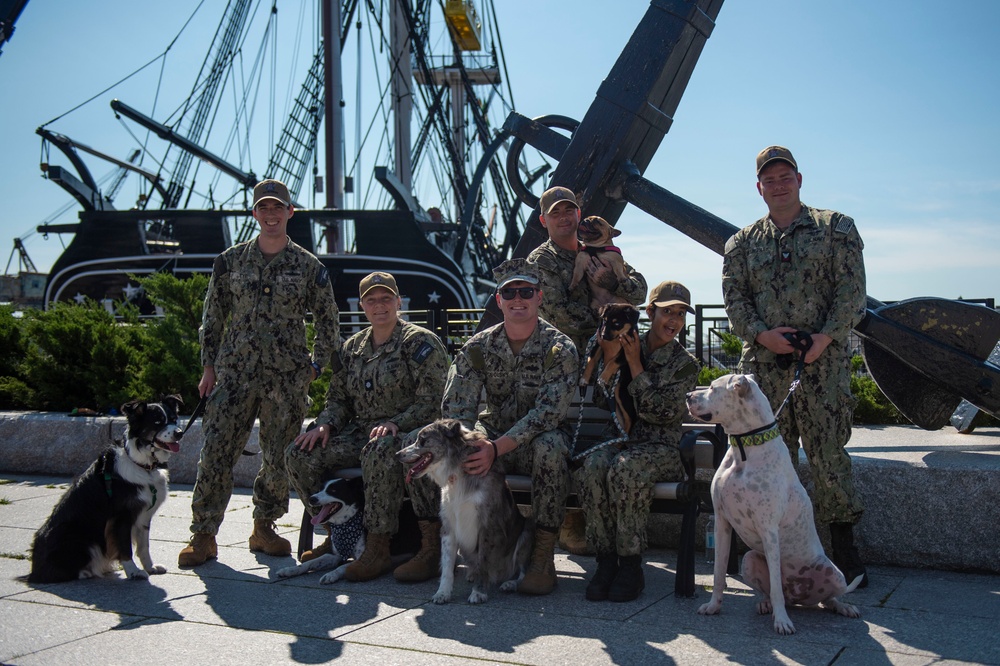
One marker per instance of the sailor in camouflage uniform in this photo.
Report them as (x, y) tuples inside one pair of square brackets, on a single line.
[(529, 371), (386, 385), (257, 365), (802, 269), (569, 309), (615, 483)]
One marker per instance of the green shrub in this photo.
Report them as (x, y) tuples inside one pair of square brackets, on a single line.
[(708, 375), (732, 345), (80, 356), (14, 392), (173, 339), (872, 407)]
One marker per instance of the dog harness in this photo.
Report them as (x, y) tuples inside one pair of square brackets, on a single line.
[(108, 464), (755, 437), (596, 250), (344, 538)]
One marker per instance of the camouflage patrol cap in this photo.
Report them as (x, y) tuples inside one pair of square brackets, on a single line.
[(378, 279), (555, 195), (670, 293), (514, 270), (271, 189), (772, 154)]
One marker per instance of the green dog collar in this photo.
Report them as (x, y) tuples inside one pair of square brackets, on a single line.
[(755, 437)]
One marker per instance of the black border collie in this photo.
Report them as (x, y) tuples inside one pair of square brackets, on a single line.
[(341, 505), (109, 507)]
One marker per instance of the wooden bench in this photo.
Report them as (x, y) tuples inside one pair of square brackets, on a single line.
[(702, 447)]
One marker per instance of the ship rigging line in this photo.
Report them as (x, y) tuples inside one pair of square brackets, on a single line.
[(126, 78)]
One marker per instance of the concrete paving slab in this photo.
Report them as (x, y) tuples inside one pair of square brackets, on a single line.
[(27, 628), (236, 610), (182, 642)]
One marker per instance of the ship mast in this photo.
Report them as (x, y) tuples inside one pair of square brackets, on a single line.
[(334, 130)]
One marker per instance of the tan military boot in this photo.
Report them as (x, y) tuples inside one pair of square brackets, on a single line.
[(199, 550), (573, 533), (541, 575), (265, 540), (426, 564), (325, 548), (373, 562)]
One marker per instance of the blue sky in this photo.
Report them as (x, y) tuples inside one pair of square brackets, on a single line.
[(890, 109)]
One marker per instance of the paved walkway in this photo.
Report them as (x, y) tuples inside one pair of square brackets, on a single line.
[(235, 611)]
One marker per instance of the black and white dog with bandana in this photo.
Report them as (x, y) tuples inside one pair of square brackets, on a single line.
[(109, 507), (341, 505)]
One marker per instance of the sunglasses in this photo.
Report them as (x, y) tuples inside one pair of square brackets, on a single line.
[(508, 293)]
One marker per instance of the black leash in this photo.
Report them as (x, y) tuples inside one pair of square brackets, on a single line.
[(802, 342), (194, 415)]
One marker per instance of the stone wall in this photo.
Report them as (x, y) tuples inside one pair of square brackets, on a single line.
[(916, 516)]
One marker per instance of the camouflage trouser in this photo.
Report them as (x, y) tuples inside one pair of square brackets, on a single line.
[(820, 411), (307, 470), (615, 488), (382, 473), (280, 402), (384, 486), (546, 460)]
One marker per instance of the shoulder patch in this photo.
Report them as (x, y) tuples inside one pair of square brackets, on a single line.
[(688, 370), (219, 266), (730, 244), (551, 356), (845, 225), (323, 277), (476, 358), (335, 363), (423, 351)]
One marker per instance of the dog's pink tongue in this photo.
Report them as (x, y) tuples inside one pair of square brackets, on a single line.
[(174, 447), (409, 476), (322, 515)]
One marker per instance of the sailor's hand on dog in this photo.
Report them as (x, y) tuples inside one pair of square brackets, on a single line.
[(633, 351), (307, 441), (479, 463), (383, 430), (602, 274), (207, 382)]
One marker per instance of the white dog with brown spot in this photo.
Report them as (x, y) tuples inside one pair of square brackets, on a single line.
[(757, 492)]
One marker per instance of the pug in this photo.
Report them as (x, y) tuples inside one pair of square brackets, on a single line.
[(595, 235)]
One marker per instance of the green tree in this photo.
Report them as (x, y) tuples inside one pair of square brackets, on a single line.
[(172, 340)]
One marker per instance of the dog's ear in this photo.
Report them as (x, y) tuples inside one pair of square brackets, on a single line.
[(742, 386), (454, 427), (633, 316), (615, 233), (603, 310), (131, 407), (174, 401)]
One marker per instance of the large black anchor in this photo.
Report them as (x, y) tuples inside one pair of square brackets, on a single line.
[(925, 354)]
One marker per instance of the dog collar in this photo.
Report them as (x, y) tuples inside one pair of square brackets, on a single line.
[(606, 248), (755, 437), (150, 467)]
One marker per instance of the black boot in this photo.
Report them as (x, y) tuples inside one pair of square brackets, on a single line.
[(630, 580), (845, 553), (607, 569)]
